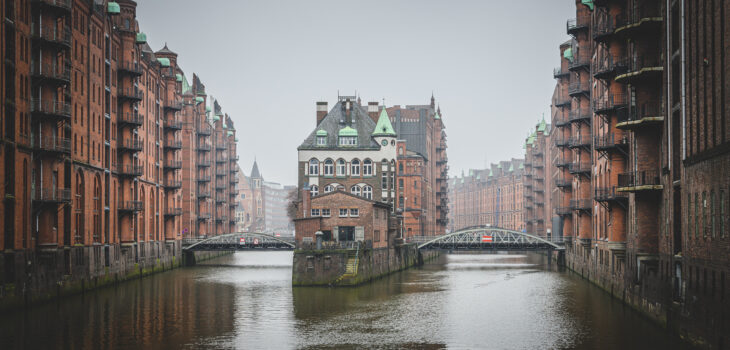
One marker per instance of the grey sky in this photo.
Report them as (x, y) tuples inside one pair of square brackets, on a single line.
[(489, 64)]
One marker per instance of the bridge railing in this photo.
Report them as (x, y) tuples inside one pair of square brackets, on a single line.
[(423, 239), (334, 245)]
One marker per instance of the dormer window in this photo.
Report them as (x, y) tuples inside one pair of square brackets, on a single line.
[(321, 140), (348, 141)]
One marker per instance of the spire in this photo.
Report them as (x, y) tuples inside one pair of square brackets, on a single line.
[(384, 127), (255, 170), (433, 101)]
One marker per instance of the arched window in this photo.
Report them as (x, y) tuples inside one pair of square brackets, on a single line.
[(329, 166), (314, 190), (367, 167), (329, 188), (341, 167), (367, 192), (355, 167), (313, 167), (356, 190)]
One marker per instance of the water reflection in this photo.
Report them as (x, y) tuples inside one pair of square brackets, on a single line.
[(246, 301)]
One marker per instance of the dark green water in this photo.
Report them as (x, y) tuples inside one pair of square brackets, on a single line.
[(246, 301)]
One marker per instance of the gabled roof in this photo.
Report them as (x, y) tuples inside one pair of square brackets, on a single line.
[(165, 50), (336, 120), (255, 170), (384, 127)]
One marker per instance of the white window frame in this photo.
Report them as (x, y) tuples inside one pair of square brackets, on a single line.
[(341, 167), (321, 140), (367, 167), (315, 212), (326, 212), (348, 141), (345, 211), (367, 192), (354, 212), (329, 167), (314, 190), (313, 166), (356, 190), (355, 167), (329, 188)]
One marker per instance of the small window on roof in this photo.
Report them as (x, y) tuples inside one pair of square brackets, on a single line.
[(321, 140)]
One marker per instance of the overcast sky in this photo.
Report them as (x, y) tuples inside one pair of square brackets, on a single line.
[(489, 64)]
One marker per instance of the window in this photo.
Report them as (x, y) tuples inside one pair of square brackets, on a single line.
[(713, 213), (341, 167), (343, 212), (376, 236), (329, 166), (355, 167), (313, 167), (314, 190), (697, 214), (321, 140), (367, 167), (348, 141), (355, 190), (315, 212), (354, 212), (329, 188), (367, 192), (400, 167), (326, 213), (384, 181), (401, 201), (415, 183), (400, 184), (723, 214)]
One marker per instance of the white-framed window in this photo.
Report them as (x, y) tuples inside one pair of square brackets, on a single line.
[(354, 212), (326, 213), (329, 167), (341, 167), (314, 190), (329, 188), (355, 167), (315, 212), (343, 212), (367, 167), (384, 165), (355, 190), (348, 140), (313, 167), (384, 181), (367, 192), (321, 140)]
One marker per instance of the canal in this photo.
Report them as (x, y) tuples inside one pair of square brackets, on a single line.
[(245, 300)]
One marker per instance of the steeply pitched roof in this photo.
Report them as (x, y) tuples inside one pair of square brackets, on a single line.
[(336, 120), (255, 171), (384, 127), (165, 50)]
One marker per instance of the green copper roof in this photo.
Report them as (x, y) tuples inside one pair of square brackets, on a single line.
[(568, 54), (522, 166), (113, 8), (208, 109), (437, 116), (588, 3), (383, 128), (216, 118), (542, 125), (185, 85), (224, 126), (235, 139), (141, 38), (199, 99), (165, 62), (230, 133), (491, 173), (321, 132), (178, 77), (479, 176), (348, 131), (511, 167)]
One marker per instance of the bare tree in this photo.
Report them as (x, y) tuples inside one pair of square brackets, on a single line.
[(291, 207)]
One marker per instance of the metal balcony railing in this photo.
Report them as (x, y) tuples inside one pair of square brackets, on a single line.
[(581, 204), (203, 147), (221, 159), (605, 194), (130, 93), (582, 140), (562, 141), (52, 144), (173, 164), (221, 145), (203, 216), (174, 105), (221, 172), (563, 182), (608, 66), (577, 87), (51, 195), (647, 109), (579, 61), (131, 118), (610, 102), (563, 211), (203, 194), (579, 167), (52, 34), (173, 144), (173, 124), (603, 27), (133, 68), (129, 205), (61, 4), (636, 14), (638, 63), (204, 163), (559, 72), (580, 114), (50, 108), (59, 72), (639, 178), (173, 212), (609, 141), (204, 178), (131, 144), (173, 184), (574, 25), (204, 130), (130, 170)]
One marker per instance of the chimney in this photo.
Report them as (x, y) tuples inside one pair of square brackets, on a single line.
[(373, 111), (321, 111), (306, 200), (348, 112)]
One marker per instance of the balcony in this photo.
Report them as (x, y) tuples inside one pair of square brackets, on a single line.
[(220, 199), (221, 172), (55, 73), (61, 5), (173, 105), (580, 168), (203, 178), (610, 142), (204, 130), (130, 94), (577, 25), (171, 212), (647, 114), (232, 194), (52, 35), (603, 28), (642, 68), (563, 162), (609, 103), (580, 141), (609, 194), (130, 145), (203, 147), (130, 118), (562, 101), (173, 125), (221, 160), (203, 216), (173, 184), (219, 186), (129, 206), (234, 170), (173, 164), (204, 163), (607, 67), (221, 145), (580, 115), (234, 159), (561, 121), (640, 21), (641, 180), (130, 170), (233, 180), (561, 182), (580, 61), (202, 194), (561, 142), (581, 204), (564, 211), (560, 73), (50, 109), (577, 88), (52, 145), (131, 68), (173, 144), (51, 195)]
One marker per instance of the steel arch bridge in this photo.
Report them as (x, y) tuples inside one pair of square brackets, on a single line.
[(490, 239), (242, 241)]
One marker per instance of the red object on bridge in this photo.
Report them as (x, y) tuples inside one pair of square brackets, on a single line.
[(486, 239), (242, 241)]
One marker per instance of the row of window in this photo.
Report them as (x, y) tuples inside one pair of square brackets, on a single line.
[(329, 167), (362, 191), (344, 212), (707, 215)]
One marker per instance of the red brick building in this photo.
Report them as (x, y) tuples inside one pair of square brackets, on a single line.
[(91, 140), (492, 196), (538, 181)]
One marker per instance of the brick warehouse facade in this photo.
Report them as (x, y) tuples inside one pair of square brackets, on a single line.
[(93, 123), (492, 196), (538, 181), (642, 151)]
